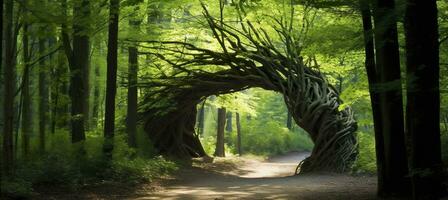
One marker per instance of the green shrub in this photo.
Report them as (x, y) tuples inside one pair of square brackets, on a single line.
[(272, 138), (16, 188), (74, 165), (366, 162)]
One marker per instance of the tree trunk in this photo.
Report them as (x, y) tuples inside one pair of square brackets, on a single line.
[(238, 134), (372, 75), (78, 62), (201, 119), (96, 92), (111, 87), (219, 150), (229, 122), (9, 82), (62, 109), (43, 95), (132, 97), (289, 121), (131, 121), (390, 99), (423, 98), (26, 109), (96, 97)]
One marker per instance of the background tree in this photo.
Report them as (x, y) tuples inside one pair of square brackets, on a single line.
[(220, 150), (78, 59), (111, 85), (9, 87), (131, 120)]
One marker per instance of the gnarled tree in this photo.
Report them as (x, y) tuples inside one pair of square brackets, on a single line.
[(248, 57)]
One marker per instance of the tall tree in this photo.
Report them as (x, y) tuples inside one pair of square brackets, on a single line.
[(26, 109), (229, 122), (58, 92), (289, 121), (423, 97), (78, 58), (96, 96), (390, 99), (372, 76), (9, 82), (111, 84), (201, 119), (219, 150), (98, 84), (131, 121), (43, 93), (238, 134)]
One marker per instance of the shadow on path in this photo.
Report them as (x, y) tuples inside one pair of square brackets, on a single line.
[(243, 178)]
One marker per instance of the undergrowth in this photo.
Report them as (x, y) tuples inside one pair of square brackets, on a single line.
[(73, 166)]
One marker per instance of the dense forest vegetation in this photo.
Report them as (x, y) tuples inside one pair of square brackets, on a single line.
[(128, 91)]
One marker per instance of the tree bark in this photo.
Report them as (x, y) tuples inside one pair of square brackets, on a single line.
[(219, 150), (78, 59), (132, 97), (131, 121), (63, 108), (289, 121), (97, 90), (111, 85), (229, 122), (372, 75), (9, 82), (390, 99), (26, 109), (201, 119), (43, 94), (238, 134), (423, 98)]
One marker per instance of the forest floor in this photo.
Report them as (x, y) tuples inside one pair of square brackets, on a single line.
[(243, 178), (252, 178)]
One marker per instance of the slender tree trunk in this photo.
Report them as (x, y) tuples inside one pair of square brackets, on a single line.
[(1, 36), (289, 121), (43, 95), (62, 109), (9, 82), (55, 93), (111, 87), (238, 134), (96, 97), (78, 61), (131, 121), (372, 76), (423, 98), (229, 122), (132, 97), (395, 181), (26, 109), (219, 150), (201, 119)]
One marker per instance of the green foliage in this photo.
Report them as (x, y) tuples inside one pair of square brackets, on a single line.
[(73, 166), (16, 188), (272, 138), (263, 122), (366, 162)]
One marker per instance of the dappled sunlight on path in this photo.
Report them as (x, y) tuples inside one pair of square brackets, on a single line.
[(270, 179)]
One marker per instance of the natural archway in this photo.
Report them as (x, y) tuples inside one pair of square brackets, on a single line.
[(249, 58)]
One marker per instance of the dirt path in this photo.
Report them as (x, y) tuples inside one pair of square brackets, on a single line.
[(246, 178)]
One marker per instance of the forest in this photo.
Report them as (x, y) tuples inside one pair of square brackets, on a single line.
[(224, 99)]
